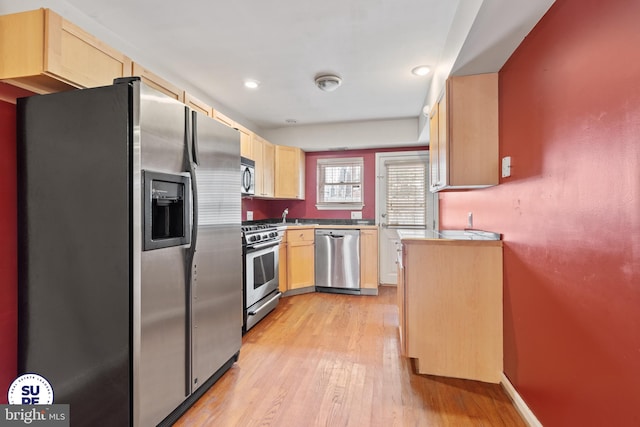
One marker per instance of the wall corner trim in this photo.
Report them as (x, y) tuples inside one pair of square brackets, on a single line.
[(526, 413)]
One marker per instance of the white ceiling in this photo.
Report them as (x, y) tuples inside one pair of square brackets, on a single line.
[(210, 46)]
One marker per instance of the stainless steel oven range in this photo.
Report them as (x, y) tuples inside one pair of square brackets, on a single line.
[(260, 249)]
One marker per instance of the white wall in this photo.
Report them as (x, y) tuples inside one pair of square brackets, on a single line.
[(351, 135)]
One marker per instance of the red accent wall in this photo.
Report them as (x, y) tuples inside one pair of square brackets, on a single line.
[(301, 209), (8, 249), (570, 214)]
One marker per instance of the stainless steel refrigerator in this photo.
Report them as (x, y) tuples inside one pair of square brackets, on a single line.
[(130, 262)]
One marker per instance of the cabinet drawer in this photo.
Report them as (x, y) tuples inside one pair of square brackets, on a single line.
[(300, 236)]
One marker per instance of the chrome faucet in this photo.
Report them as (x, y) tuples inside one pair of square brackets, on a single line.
[(284, 215)]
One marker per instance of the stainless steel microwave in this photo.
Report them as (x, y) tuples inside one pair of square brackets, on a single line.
[(247, 176)]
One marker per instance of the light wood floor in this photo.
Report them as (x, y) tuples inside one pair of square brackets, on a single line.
[(334, 360)]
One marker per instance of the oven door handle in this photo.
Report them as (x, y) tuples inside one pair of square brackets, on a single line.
[(265, 245), (266, 304)]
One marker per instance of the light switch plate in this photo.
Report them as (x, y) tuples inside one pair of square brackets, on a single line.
[(249, 215), (356, 215), (506, 166)]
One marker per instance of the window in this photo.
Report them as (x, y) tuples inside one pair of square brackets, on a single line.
[(406, 193), (340, 183)]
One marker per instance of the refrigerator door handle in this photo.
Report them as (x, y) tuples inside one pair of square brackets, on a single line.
[(194, 141), (191, 250)]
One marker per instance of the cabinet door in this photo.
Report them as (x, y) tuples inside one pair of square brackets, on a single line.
[(158, 83), (223, 119), (78, 57), (301, 273), (268, 171), (283, 266), (264, 156), (464, 134), (300, 258), (443, 143), (369, 259), (434, 148), (197, 105), (257, 149), (289, 173), (473, 130), (246, 148), (44, 53)]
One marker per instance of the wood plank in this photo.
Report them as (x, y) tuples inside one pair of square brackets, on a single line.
[(328, 359)]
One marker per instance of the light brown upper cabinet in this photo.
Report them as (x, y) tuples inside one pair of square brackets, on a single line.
[(264, 155), (224, 119), (290, 173), (42, 52), (464, 134), (158, 83), (197, 105), (246, 146)]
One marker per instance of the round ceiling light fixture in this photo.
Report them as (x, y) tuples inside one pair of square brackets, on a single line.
[(421, 70), (251, 84), (328, 82)]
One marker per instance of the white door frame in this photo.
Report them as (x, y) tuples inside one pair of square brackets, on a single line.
[(432, 201)]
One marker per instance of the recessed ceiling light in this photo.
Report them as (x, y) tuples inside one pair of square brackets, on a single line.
[(251, 84), (291, 121), (421, 70)]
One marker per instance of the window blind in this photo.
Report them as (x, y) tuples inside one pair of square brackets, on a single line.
[(406, 193), (340, 183)]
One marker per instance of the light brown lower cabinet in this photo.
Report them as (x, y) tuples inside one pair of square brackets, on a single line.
[(369, 261), (450, 307), (300, 258), (283, 283)]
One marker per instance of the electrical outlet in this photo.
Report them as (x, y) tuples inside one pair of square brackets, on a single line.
[(249, 215), (506, 166), (356, 215)]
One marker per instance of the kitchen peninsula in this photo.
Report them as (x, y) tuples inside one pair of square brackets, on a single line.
[(450, 302)]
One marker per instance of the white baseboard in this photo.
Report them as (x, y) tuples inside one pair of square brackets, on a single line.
[(520, 404)]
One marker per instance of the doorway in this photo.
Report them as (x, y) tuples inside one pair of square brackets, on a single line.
[(403, 200)]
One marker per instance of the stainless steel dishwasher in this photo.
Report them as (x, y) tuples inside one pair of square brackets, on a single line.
[(337, 261)]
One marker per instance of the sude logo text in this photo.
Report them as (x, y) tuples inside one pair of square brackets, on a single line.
[(30, 398)]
